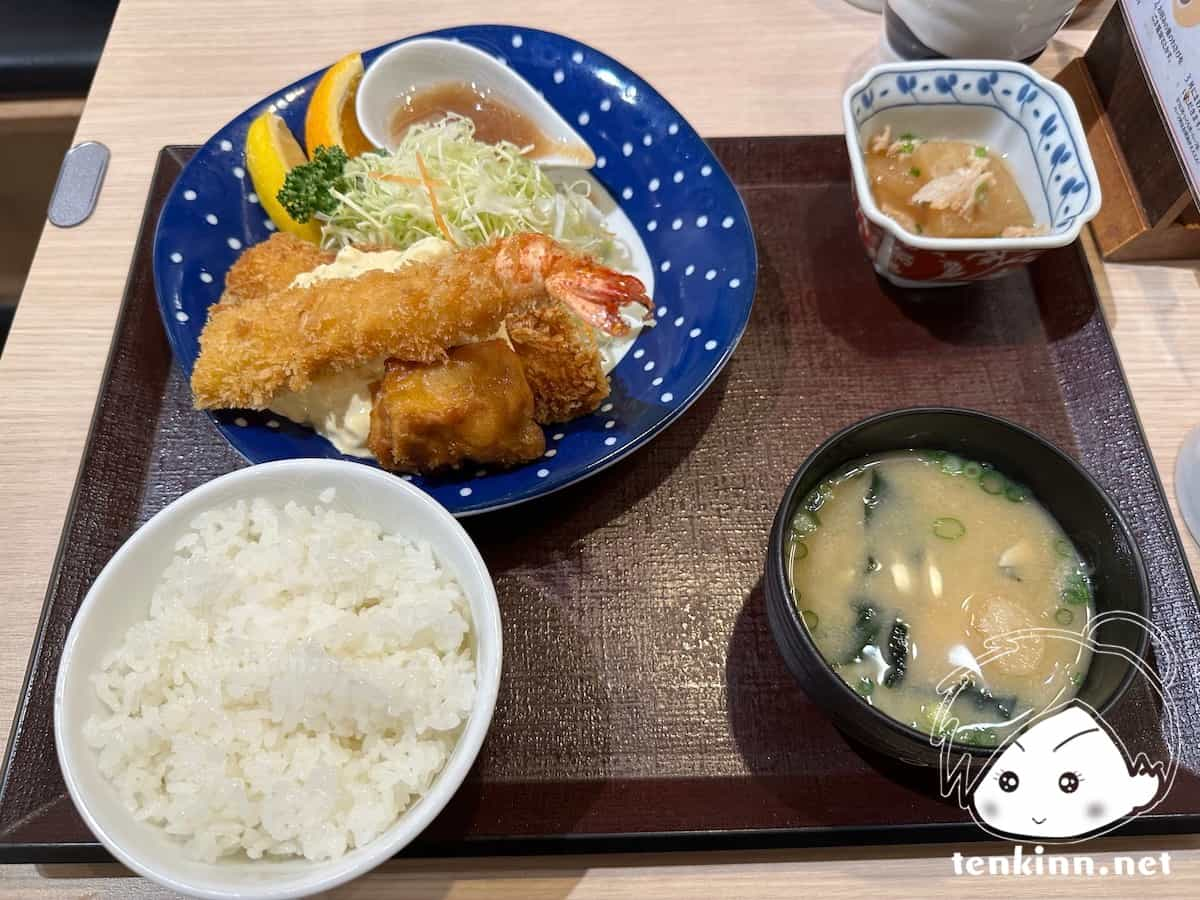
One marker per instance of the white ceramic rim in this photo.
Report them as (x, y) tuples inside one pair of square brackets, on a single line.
[(445, 785), (380, 141), (1070, 116)]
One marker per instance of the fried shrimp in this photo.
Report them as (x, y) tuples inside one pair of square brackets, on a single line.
[(562, 362), (251, 350)]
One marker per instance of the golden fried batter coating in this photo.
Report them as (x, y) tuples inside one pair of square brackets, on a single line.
[(269, 267), (561, 360), (249, 351), (476, 406)]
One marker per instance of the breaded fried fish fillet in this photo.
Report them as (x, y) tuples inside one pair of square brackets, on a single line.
[(249, 351), (269, 267)]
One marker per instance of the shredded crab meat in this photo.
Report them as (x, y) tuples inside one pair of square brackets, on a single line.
[(903, 146), (881, 141), (959, 191)]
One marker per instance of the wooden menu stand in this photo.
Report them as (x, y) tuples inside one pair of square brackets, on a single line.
[(1148, 211)]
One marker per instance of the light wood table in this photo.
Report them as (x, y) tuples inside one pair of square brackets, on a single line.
[(174, 72)]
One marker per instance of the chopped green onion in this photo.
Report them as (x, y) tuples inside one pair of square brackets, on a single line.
[(907, 147), (936, 728), (1063, 548), (1064, 616), (1077, 678), (819, 495), (914, 172), (992, 482), (908, 136), (1015, 492), (864, 686), (972, 470), (811, 619), (1076, 590), (949, 528), (974, 736), (981, 152), (804, 523), (951, 464), (965, 736)]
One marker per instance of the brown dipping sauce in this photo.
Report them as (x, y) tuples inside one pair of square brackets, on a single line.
[(495, 120)]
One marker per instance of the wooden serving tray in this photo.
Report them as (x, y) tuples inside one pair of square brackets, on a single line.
[(644, 704)]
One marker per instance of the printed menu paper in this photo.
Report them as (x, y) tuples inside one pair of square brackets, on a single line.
[(1166, 34)]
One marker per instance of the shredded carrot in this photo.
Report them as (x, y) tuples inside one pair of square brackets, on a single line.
[(398, 179), (401, 179), (437, 213)]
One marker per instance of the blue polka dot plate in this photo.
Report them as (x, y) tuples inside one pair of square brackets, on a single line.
[(691, 237)]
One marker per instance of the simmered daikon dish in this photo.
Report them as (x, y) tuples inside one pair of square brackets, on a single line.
[(909, 568), (952, 189)]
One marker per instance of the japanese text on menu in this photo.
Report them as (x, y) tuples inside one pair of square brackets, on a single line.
[(1167, 36)]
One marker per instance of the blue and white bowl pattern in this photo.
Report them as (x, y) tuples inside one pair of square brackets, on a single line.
[(687, 213), (1025, 107)]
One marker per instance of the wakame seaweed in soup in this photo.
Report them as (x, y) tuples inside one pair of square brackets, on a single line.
[(905, 564)]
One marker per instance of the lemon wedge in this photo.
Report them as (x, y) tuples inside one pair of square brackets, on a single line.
[(331, 120), (272, 152)]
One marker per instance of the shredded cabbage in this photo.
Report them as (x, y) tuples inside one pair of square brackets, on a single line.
[(482, 191)]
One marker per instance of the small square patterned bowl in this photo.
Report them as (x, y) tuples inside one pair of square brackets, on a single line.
[(1006, 106)]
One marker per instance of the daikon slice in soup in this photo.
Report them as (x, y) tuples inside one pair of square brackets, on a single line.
[(951, 189), (905, 565)]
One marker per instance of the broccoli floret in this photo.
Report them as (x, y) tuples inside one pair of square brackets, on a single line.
[(306, 189)]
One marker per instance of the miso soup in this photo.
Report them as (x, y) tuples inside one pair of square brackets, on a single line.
[(904, 564)]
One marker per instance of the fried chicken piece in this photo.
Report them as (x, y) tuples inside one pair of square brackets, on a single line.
[(476, 405), (269, 267), (561, 360), (250, 351)]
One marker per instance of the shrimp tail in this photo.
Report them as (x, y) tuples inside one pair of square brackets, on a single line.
[(594, 292), (597, 294)]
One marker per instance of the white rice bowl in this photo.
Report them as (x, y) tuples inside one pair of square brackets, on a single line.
[(301, 679), (120, 600)]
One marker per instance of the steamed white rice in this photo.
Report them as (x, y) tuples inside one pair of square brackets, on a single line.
[(302, 679)]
